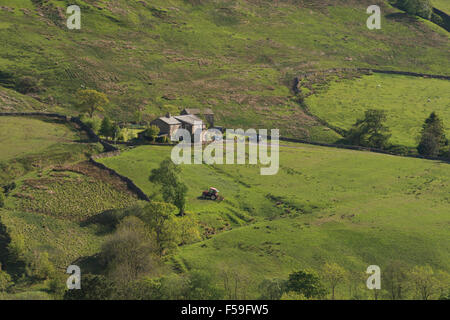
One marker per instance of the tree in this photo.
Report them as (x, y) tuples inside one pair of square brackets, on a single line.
[(423, 279), (94, 287), (160, 219), (130, 251), (94, 123), (200, 286), (91, 101), (39, 265), (333, 274), (421, 8), (5, 280), (106, 128), (272, 289), (433, 138), (172, 188), (395, 279), (370, 131), (188, 229), (152, 133), (57, 285), (306, 283)]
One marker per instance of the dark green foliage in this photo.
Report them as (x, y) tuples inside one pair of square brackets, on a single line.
[(160, 219), (93, 287), (306, 283), (7, 79), (432, 140), (421, 8), (370, 131), (106, 128), (151, 133), (28, 84), (173, 189)]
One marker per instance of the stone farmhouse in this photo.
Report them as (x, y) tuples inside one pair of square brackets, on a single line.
[(188, 119)]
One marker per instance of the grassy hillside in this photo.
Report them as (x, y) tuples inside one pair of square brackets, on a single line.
[(30, 144), (353, 208), (236, 57), (407, 100), (442, 5), (21, 136)]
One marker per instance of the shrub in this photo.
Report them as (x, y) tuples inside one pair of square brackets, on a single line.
[(130, 252), (421, 8), (94, 123), (5, 281), (39, 265), (28, 84), (106, 128), (370, 131), (433, 140), (94, 287), (306, 283), (151, 133), (57, 286)]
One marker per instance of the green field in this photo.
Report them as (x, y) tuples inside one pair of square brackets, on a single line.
[(407, 100), (353, 208), (29, 144), (442, 5), (21, 136), (237, 57)]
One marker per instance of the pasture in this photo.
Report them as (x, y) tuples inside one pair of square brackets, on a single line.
[(352, 208), (20, 136), (408, 101)]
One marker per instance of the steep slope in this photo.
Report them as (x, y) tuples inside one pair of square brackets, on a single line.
[(237, 57)]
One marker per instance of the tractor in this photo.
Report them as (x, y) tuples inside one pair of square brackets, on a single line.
[(212, 194)]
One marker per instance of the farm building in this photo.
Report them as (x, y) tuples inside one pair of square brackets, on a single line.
[(167, 125), (208, 114)]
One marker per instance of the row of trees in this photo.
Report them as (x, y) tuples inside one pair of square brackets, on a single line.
[(397, 282), (371, 131)]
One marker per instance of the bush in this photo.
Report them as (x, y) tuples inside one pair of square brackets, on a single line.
[(28, 84), (106, 128), (5, 281), (421, 8), (39, 265), (93, 287), (306, 283), (94, 123), (57, 286), (151, 133), (371, 131)]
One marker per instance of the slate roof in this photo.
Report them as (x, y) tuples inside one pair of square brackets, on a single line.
[(170, 120)]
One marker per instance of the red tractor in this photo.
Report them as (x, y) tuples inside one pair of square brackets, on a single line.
[(212, 194)]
